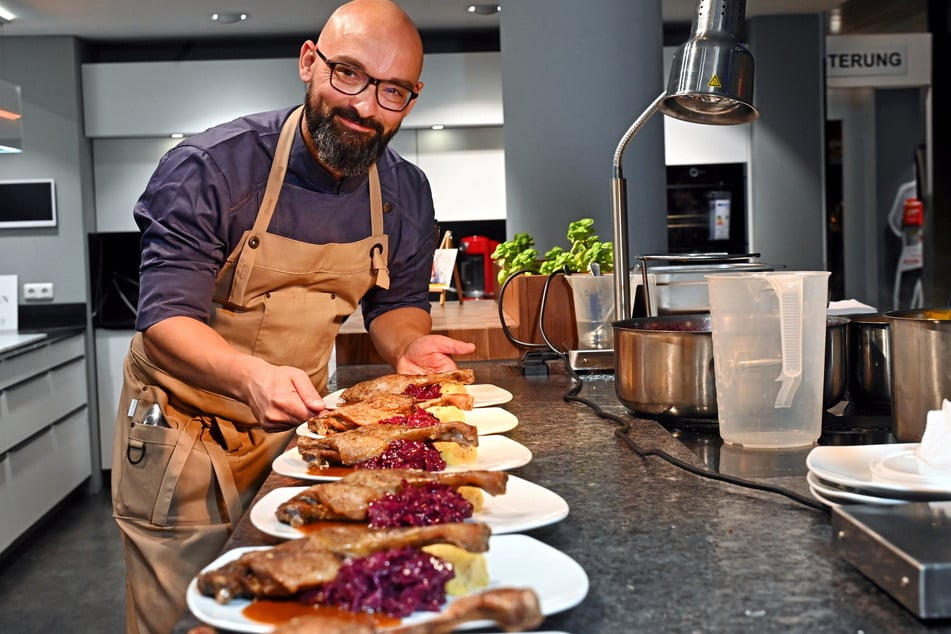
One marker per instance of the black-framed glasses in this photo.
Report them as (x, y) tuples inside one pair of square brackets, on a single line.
[(352, 81)]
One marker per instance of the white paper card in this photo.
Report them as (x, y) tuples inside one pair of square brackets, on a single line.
[(443, 262), (8, 303)]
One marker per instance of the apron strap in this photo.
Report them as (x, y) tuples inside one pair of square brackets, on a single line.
[(272, 192), (187, 438), (225, 477), (378, 254), (183, 448)]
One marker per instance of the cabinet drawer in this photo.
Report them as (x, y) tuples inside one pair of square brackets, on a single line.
[(22, 366), (38, 475), (29, 406)]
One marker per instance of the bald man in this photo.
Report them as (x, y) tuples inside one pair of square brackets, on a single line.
[(259, 237)]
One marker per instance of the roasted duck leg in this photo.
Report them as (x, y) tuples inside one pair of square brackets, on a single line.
[(368, 412), (397, 383), (301, 564), (515, 610), (349, 498), (369, 441)]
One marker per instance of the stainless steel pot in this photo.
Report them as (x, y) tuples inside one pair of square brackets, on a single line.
[(835, 370), (870, 379), (664, 365), (920, 345)]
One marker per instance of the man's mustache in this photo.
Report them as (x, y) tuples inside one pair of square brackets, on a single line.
[(351, 115)]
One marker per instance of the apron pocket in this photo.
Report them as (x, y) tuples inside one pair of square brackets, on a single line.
[(289, 315), (164, 475)]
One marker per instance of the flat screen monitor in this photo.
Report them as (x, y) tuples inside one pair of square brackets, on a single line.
[(27, 203)]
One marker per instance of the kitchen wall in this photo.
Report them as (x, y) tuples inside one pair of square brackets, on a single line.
[(464, 161), (54, 146)]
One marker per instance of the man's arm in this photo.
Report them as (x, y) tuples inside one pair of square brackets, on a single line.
[(279, 396), (402, 337)]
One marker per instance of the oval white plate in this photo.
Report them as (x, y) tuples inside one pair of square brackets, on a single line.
[(483, 395), (830, 495), (486, 420), (850, 466), (496, 453), (524, 506), (513, 561)]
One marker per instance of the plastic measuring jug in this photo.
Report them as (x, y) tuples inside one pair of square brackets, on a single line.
[(768, 332), (593, 297)]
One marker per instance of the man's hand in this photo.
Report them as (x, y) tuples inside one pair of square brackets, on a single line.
[(431, 353), (280, 397)]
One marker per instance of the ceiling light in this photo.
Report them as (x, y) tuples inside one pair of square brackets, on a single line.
[(230, 18), (438, 126), (487, 8), (6, 16)]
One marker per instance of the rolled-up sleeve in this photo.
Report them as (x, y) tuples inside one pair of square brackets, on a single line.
[(183, 242)]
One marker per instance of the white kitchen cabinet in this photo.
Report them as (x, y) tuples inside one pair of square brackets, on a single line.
[(44, 431), (111, 348)]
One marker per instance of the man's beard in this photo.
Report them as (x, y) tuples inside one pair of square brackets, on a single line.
[(342, 149)]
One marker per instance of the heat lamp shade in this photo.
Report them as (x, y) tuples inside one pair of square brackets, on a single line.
[(11, 124), (711, 82), (711, 78)]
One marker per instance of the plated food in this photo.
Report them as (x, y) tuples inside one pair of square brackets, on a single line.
[(496, 453), (393, 497), (486, 420), (514, 561), (524, 506)]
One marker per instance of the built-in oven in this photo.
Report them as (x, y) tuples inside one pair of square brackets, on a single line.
[(706, 208)]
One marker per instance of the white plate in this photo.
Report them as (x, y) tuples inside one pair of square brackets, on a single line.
[(513, 561), (832, 496), (904, 467), (483, 395), (486, 420), (850, 466), (524, 506), (496, 453)]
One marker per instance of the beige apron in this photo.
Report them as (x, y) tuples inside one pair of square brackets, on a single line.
[(178, 491)]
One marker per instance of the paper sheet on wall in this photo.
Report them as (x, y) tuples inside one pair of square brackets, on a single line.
[(8, 303)]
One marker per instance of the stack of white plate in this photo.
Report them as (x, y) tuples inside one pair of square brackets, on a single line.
[(874, 474)]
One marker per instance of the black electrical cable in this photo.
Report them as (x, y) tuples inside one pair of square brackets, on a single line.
[(624, 427)]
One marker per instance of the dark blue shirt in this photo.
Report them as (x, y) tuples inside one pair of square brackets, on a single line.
[(205, 193)]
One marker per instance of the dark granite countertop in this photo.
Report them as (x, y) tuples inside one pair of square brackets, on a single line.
[(667, 550)]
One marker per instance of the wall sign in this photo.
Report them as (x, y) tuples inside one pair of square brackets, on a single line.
[(878, 61)]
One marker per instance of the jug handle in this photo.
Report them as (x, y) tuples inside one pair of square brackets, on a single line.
[(789, 290)]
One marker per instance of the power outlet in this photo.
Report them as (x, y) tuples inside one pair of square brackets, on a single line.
[(38, 292)]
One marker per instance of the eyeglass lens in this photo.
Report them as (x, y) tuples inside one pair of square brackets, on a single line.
[(352, 81)]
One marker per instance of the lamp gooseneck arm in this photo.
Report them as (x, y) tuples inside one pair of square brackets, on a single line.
[(622, 263)]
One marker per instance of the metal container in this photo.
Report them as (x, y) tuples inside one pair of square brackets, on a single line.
[(920, 347), (664, 365), (681, 289), (870, 379), (835, 370)]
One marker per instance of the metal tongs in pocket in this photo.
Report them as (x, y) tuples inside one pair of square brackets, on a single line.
[(153, 416)]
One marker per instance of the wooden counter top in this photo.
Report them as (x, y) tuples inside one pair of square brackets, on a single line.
[(476, 321)]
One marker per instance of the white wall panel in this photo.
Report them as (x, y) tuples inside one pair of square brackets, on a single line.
[(466, 168)]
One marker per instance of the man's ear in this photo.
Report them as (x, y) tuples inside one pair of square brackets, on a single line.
[(305, 63)]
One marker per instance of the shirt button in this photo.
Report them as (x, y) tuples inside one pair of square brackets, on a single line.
[(254, 242), (387, 207)]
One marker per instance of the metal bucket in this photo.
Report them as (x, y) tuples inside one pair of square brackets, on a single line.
[(920, 346), (664, 365)]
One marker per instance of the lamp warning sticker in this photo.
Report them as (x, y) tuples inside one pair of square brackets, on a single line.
[(715, 82)]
